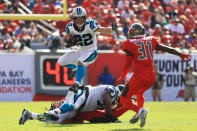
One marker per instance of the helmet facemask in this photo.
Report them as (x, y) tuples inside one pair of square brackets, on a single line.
[(79, 16), (136, 30), (79, 21)]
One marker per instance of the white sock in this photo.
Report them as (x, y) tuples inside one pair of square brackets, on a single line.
[(140, 111), (34, 115)]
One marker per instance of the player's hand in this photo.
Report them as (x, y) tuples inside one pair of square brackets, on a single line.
[(114, 26), (186, 56)]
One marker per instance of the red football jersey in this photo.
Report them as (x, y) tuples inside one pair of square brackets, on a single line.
[(141, 50)]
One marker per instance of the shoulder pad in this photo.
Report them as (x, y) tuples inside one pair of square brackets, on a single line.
[(68, 26)]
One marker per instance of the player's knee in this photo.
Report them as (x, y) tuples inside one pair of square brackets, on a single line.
[(79, 63), (66, 107), (59, 61)]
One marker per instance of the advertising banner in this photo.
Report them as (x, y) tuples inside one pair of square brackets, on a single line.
[(172, 69), (17, 77)]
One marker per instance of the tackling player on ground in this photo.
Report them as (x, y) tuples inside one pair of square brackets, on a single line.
[(84, 31), (139, 51), (83, 106)]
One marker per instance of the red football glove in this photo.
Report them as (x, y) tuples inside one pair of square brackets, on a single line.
[(187, 56)]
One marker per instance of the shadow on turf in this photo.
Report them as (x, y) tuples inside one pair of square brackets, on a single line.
[(67, 125), (77, 124), (133, 129)]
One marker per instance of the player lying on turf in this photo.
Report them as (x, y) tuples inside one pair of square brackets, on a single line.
[(83, 106)]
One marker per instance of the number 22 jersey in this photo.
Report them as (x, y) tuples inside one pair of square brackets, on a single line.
[(87, 36)]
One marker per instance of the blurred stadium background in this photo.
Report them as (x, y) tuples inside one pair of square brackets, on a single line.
[(31, 30)]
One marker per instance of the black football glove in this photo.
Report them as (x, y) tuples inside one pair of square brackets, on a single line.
[(72, 41)]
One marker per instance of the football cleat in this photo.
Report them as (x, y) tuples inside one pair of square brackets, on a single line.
[(26, 115), (134, 119), (42, 118), (51, 115), (74, 88), (142, 115)]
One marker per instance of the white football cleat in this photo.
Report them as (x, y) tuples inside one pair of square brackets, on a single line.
[(142, 115)]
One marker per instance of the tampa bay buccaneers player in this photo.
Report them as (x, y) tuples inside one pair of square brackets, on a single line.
[(139, 51)]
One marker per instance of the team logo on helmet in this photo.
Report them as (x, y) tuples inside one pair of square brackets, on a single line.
[(79, 12)]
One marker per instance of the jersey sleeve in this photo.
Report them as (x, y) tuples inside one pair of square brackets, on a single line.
[(125, 45), (94, 25), (155, 41), (68, 27)]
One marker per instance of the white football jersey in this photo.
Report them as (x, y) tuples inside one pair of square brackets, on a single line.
[(95, 99), (87, 36)]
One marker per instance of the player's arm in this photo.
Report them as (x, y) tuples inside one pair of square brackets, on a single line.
[(107, 30), (164, 48), (64, 39), (127, 64), (107, 103)]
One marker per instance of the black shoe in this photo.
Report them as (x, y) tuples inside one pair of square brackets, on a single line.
[(115, 120), (74, 88), (134, 119)]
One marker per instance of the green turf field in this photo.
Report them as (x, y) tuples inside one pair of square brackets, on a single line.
[(173, 116)]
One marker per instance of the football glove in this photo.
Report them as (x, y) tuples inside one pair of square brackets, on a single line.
[(114, 26), (186, 56), (72, 41)]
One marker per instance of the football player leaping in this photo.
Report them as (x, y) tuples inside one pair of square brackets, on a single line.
[(83, 106), (84, 31)]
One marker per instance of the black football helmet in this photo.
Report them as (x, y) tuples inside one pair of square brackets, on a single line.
[(136, 30)]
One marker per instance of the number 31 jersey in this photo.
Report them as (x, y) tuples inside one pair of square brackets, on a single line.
[(87, 36), (141, 50)]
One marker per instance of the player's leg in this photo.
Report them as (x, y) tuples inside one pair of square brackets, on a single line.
[(193, 93), (186, 93), (93, 115), (27, 115), (159, 94), (66, 117), (80, 72), (125, 99), (135, 84), (86, 58), (74, 104), (145, 85), (70, 60), (153, 91)]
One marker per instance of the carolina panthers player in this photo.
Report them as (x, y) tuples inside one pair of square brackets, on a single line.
[(85, 31), (87, 99)]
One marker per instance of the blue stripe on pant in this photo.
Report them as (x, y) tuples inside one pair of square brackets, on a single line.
[(92, 56)]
